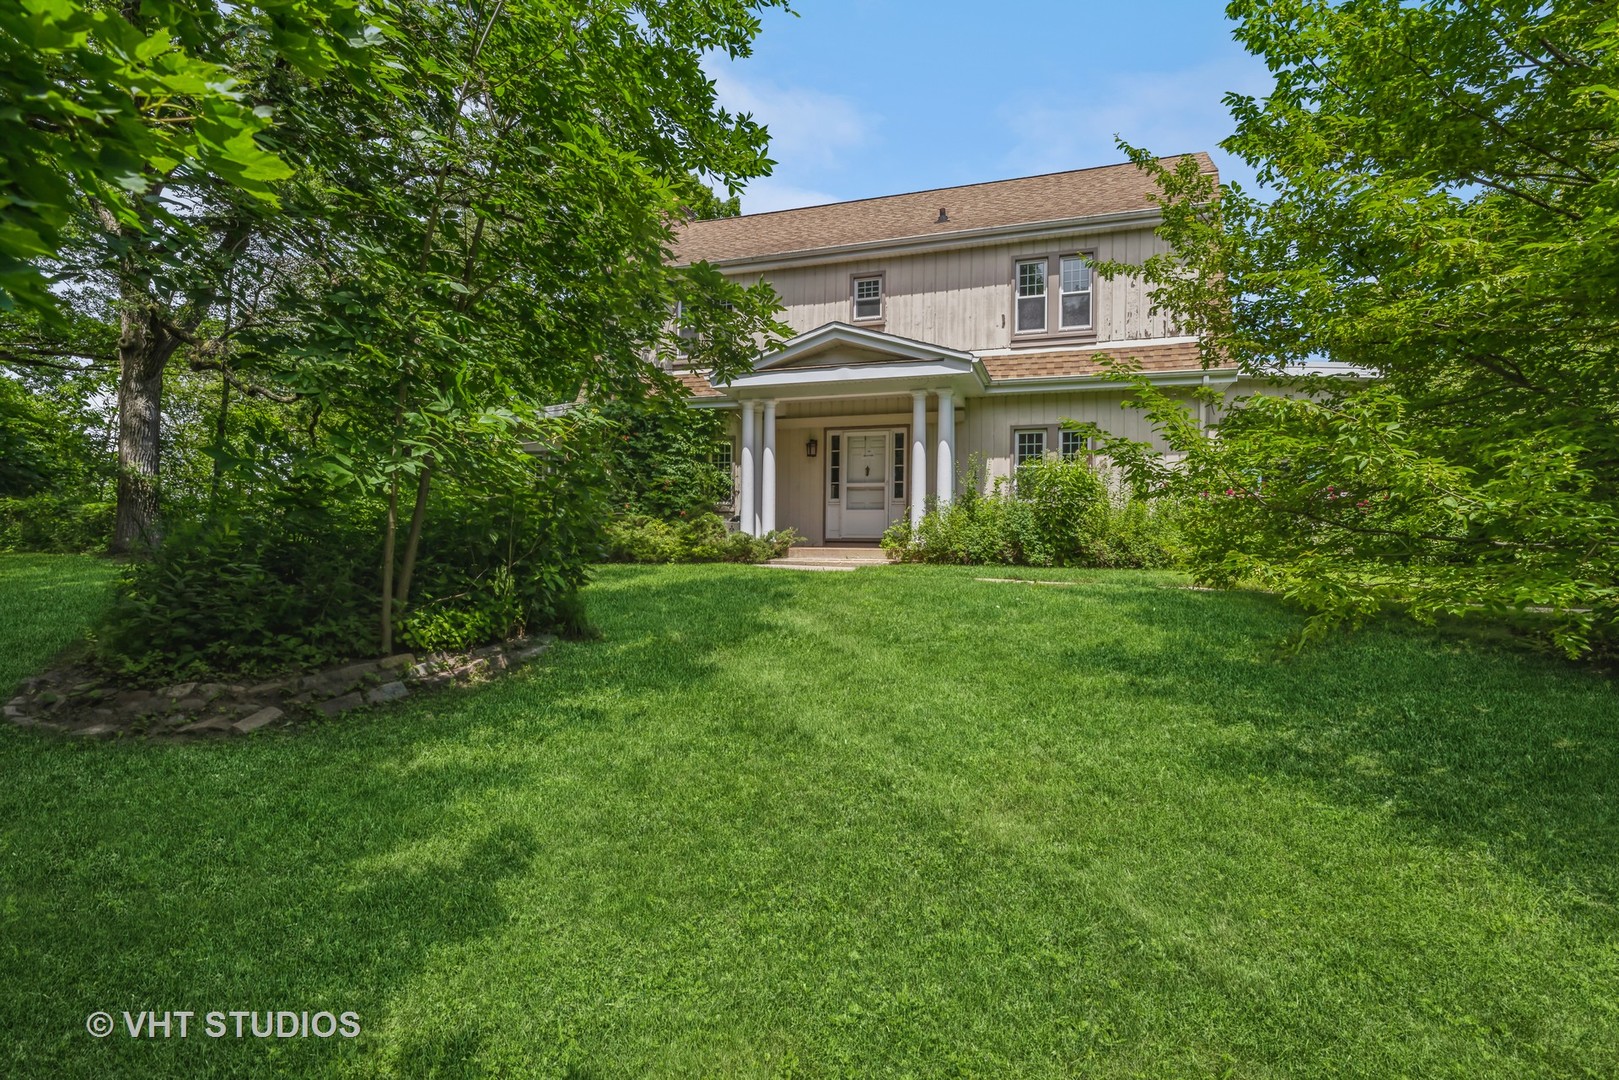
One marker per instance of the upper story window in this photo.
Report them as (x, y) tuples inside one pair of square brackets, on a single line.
[(1039, 309), (1031, 296), (682, 329), (868, 297), (1075, 313)]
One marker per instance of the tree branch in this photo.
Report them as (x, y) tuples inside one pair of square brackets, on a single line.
[(200, 364)]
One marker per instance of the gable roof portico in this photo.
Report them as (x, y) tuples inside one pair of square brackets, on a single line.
[(839, 360)]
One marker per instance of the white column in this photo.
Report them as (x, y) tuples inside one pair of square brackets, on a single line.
[(946, 487), (767, 475), (746, 513), (919, 455)]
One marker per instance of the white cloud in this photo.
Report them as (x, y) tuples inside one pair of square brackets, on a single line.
[(807, 127), (811, 133), (768, 193), (1166, 112)]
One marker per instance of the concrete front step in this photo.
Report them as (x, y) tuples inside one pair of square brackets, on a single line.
[(831, 558), (858, 554)]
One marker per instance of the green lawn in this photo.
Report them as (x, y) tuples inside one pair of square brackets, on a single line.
[(891, 823), (45, 602)]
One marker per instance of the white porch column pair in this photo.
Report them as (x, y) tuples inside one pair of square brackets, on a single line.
[(758, 510), (944, 483)]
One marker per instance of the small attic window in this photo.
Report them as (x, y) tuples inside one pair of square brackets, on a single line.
[(868, 298)]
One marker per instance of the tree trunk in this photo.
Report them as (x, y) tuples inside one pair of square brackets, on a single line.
[(143, 351), (413, 538), (221, 424), (390, 530)]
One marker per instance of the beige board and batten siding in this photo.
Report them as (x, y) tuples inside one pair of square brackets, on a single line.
[(991, 421), (962, 298)]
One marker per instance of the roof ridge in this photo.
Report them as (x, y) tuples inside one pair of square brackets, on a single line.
[(944, 187)]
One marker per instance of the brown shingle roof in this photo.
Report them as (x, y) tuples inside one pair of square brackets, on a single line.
[(1173, 356), (1107, 189), (696, 384)]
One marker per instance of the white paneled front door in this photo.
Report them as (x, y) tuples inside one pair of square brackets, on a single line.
[(863, 498)]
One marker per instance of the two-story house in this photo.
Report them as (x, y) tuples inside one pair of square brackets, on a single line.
[(930, 327)]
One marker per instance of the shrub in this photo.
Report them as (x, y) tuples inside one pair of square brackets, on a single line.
[(246, 590), (1058, 513), (703, 538), (48, 521), (252, 588)]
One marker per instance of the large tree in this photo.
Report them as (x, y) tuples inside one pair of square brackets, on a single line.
[(408, 219), (1443, 198), (135, 159)]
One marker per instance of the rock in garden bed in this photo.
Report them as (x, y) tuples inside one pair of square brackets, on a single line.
[(81, 702)]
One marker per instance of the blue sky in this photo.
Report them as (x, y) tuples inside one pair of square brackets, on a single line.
[(880, 97)]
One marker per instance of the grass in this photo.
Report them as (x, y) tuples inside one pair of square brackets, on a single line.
[(888, 823), (45, 603)]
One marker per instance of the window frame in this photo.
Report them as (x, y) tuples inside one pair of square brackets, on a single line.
[(1089, 292), (1083, 450), (682, 331), (882, 298), (1017, 296), (1053, 329), (726, 448), (1018, 461)]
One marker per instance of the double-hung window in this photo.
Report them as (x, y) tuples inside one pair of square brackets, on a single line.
[(682, 328), (1073, 445), (1074, 312), (868, 298), (1040, 309), (1029, 445), (1031, 296)]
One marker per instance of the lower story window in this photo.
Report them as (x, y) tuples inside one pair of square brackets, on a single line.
[(1073, 445), (1030, 446), (725, 462)]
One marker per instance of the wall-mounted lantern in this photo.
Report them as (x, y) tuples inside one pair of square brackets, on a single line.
[(811, 447)]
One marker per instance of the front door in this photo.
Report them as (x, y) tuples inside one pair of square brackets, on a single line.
[(861, 493)]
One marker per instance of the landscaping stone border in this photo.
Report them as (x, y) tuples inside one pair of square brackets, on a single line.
[(83, 703)]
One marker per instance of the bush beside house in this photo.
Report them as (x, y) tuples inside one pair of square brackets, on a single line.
[(702, 538), (1057, 513)]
